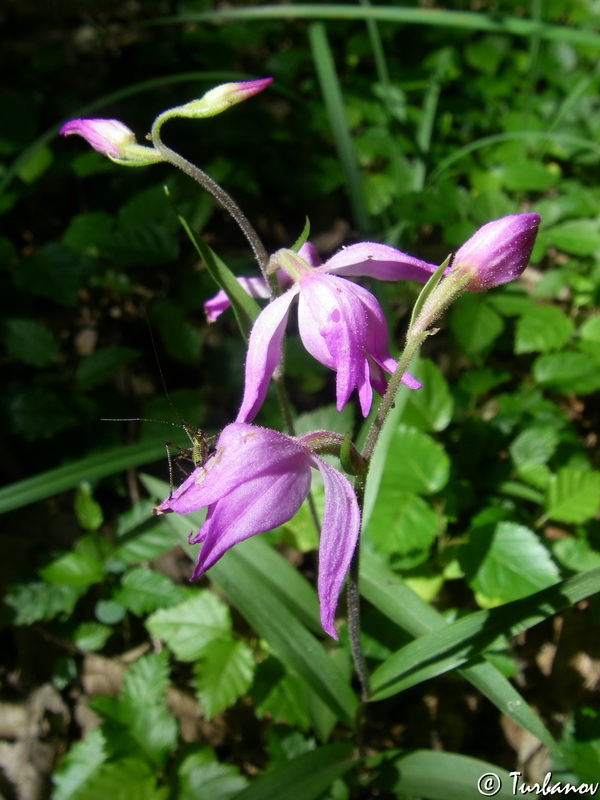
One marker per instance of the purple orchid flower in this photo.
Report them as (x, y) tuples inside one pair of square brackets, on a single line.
[(256, 480), (498, 252), (341, 324)]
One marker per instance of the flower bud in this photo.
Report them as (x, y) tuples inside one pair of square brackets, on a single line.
[(497, 253), (220, 99), (113, 139)]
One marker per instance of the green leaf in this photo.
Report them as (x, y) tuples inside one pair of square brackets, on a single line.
[(305, 777), (31, 342), (86, 232), (83, 760), (415, 463), (542, 329), (449, 776), (126, 779), (70, 475), (506, 561), (36, 163), (581, 745), (575, 554), (199, 777), (573, 495), (280, 695), (91, 636), (475, 324), (401, 522), (568, 373), (140, 536), (145, 682), (223, 674), (469, 637), (31, 602), (391, 595), (429, 409), (590, 329), (54, 272), (521, 175), (102, 365), (109, 612), (534, 445), (192, 625), (143, 590), (579, 237), (87, 510), (79, 570)]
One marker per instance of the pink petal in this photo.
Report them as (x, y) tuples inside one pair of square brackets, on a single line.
[(264, 351), (378, 261)]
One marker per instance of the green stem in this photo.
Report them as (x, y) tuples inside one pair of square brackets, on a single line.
[(218, 193)]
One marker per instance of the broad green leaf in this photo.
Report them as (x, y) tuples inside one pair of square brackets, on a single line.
[(526, 175), (30, 602), (579, 237), (469, 637), (102, 365), (568, 373), (506, 561), (573, 495), (449, 776), (54, 272), (401, 522), (534, 445), (581, 746), (590, 329), (305, 777), (429, 409), (36, 164), (390, 594), (192, 625), (542, 329), (199, 777), (81, 761), (415, 463), (31, 342), (109, 612), (73, 569), (575, 554), (143, 590), (223, 673), (87, 231), (475, 324), (125, 779), (91, 636), (140, 536)]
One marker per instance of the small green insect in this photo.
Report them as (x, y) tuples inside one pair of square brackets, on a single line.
[(197, 454)]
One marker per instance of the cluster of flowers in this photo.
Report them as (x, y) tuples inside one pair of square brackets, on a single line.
[(257, 478)]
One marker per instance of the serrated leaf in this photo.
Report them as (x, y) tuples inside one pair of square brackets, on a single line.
[(190, 626), (31, 342), (429, 409), (143, 590), (223, 674), (573, 495), (576, 554), (568, 373), (279, 694), (542, 329), (401, 522), (126, 779), (146, 681), (505, 562), (73, 569), (91, 636), (201, 778), (87, 231), (78, 765), (54, 272), (141, 537), (534, 445), (30, 602)]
